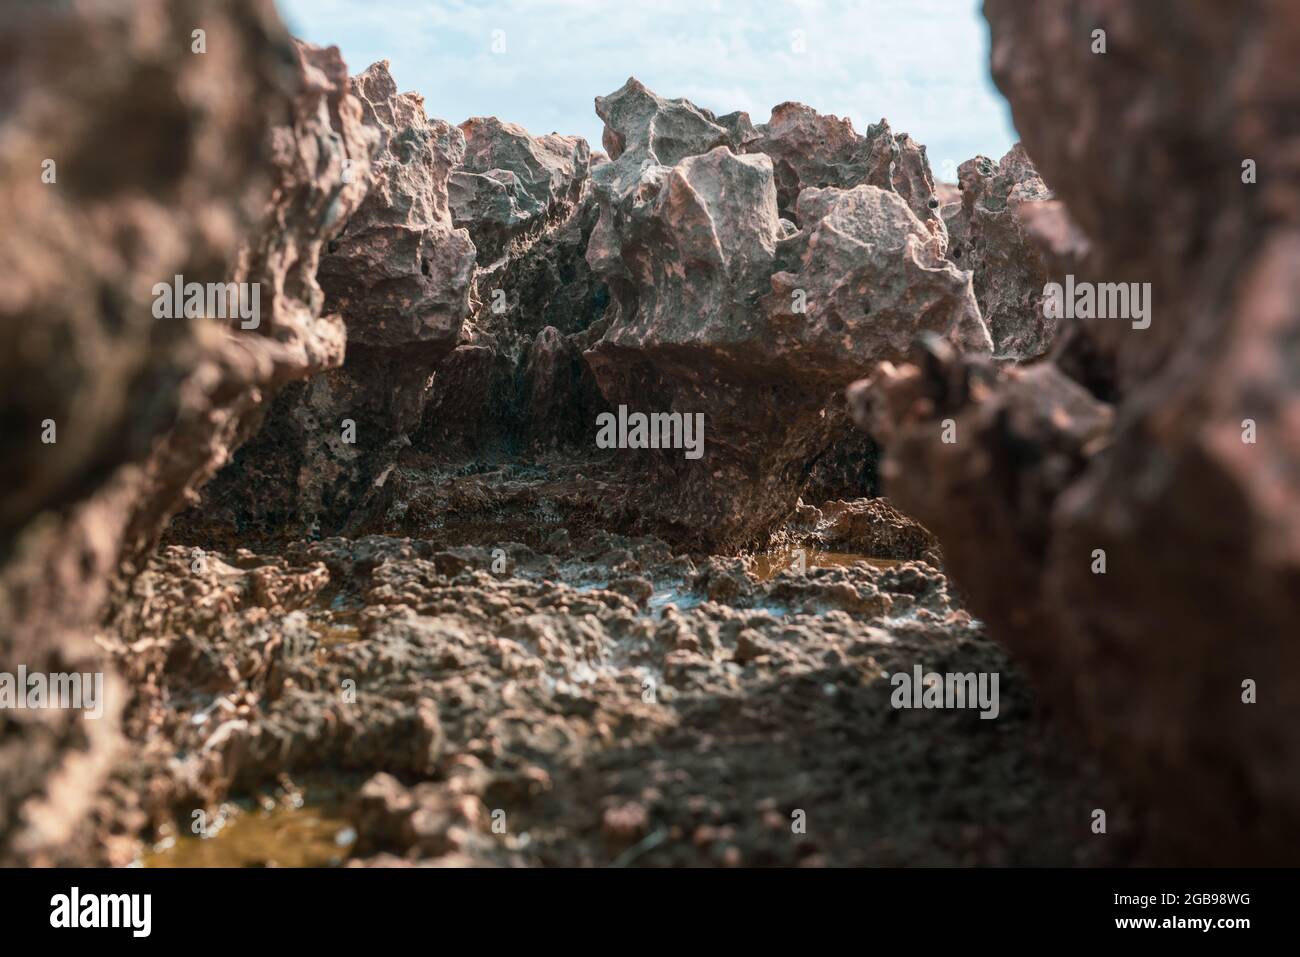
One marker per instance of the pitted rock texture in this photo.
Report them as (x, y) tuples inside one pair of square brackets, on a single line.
[(400, 272), (988, 235), (320, 161), (869, 526), (511, 184), (625, 699), (596, 693), (643, 124), (811, 150), (718, 307), (516, 381), (1132, 445), (399, 275), (664, 276), (160, 167)]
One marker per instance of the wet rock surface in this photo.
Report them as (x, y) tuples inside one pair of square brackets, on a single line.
[(603, 701)]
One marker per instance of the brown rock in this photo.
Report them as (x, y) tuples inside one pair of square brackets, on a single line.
[(1199, 528), (399, 275), (716, 310), (186, 178), (811, 150), (510, 185), (989, 236)]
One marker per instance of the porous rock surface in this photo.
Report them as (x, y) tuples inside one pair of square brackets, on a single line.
[(511, 184), (988, 234), (508, 646), (226, 165), (808, 149), (399, 275), (719, 306), (516, 381), (663, 278), (604, 699), (1133, 446)]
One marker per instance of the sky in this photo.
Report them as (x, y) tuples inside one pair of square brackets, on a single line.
[(921, 64)]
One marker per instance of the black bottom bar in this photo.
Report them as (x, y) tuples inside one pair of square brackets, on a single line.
[(367, 906)]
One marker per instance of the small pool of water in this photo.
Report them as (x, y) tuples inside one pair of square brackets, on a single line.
[(284, 837)]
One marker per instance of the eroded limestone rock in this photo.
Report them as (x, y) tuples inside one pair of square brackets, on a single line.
[(811, 150), (163, 165), (988, 234), (1136, 445), (718, 308), (399, 276)]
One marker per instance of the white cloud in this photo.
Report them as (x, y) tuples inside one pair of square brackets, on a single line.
[(920, 63)]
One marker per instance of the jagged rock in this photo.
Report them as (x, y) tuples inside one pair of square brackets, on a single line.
[(399, 275), (1197, 525), (400, 271), (510, 184), (987, 235), (321, 161), (161, 167), (535, 297), (648, 127), (715, 309), (812, 150), (524, 692), (740, 130), (872, 281)]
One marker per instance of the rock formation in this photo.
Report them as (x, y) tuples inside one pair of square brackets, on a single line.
[(1126, 517), (320, 162), (158, 167), (510, 184), (987, 234), (722, 307), (576, 301), (811, 150), (517, 378), (445, 311), (399, 275)]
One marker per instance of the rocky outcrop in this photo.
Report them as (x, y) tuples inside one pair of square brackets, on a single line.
[(578, 297), (321, 161), (811, 150), (497, 291), (584, 694), (1127, 517), (988, 234), (516, 380), (720, 308), (399, 276), (399, 272), (643, 124), (119, 414), (511, 184)]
